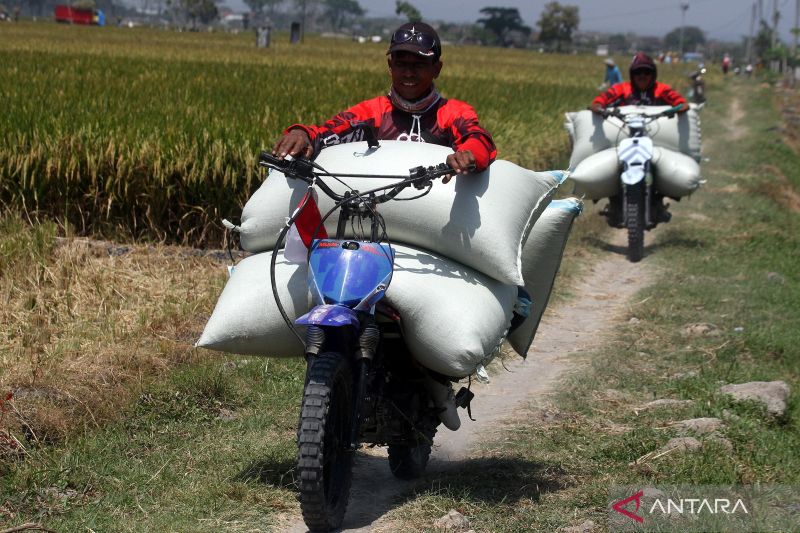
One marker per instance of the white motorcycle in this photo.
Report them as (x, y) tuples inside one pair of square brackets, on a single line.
[(637, 207)]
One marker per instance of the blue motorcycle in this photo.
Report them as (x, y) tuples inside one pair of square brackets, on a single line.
[(362, 386)]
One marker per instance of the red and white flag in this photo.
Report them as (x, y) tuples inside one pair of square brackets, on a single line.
[(300, 235)]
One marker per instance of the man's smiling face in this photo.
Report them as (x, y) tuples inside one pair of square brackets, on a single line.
[(413, 75)]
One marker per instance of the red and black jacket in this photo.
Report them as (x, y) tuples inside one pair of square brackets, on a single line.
[(448, 123), (624, 94)]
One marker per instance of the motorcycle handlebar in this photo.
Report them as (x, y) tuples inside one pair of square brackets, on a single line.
[(616, 113), (612, 112), (309, 172)]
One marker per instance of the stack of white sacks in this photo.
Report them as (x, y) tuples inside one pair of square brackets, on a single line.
[(461, 251), (594, 165)]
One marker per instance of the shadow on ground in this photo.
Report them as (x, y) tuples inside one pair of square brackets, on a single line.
[(495, 480), (669, 241), (276, 472)]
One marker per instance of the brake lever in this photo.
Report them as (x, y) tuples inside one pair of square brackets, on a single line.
[(419, 177), (613, 112), (301, 167), (266, 159), (294, 167), (422, 177)]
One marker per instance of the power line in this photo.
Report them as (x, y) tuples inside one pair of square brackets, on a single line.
[(738, 18)]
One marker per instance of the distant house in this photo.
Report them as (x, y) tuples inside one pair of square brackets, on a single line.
[(233, 20), (693, 56), (602, 50)]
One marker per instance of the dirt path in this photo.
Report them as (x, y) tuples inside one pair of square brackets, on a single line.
[(736, 115), (578, 326)]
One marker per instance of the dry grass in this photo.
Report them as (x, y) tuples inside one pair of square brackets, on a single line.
[(82, 323)]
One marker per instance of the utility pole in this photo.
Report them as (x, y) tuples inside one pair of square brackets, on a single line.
[(303, 23), (684, 7), (796, 28), (749, 54), (775, 17)]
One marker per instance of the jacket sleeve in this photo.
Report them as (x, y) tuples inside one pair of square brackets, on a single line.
[(468, 134), (614, 93), (339, 128), (669, 95)]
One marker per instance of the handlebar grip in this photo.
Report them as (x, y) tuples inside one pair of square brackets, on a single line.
[(612, 112), (298, 167), (267, 158)]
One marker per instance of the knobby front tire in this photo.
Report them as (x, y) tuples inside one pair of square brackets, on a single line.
[(634, 220), (325, 462)]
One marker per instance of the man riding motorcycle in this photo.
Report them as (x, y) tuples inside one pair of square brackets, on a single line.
[(642, 89), (413, 110)]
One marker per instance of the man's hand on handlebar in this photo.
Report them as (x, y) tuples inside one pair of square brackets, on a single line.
[(605, 112), (463, 162), (682, 108), (294, 143)]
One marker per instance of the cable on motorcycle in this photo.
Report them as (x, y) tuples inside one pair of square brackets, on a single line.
[(384, 235), (285, 230), (427, 190), (381, 222), (273, 261)]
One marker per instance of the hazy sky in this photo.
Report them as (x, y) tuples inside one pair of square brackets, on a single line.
[(724, 19), (729, 19)]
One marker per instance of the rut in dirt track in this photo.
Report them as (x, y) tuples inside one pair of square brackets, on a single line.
[(567, 330)]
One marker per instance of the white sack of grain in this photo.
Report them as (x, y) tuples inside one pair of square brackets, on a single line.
[(453, 317), (597, 176), (675, 174), (246, 319), (541, 259), (478, 220), (590, 133)]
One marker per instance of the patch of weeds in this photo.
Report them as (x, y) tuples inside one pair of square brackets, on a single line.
[(209, 446), (197, 392)]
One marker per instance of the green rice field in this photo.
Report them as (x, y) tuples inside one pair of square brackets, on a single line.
[(154, 135)]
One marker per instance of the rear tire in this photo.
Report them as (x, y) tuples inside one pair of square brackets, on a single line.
[(325, 462), (409, 461), (634, 220)]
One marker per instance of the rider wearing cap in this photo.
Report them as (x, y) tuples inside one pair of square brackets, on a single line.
[(413, 110), (642, 89)]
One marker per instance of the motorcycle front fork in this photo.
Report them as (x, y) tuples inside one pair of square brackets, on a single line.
[(363, 354)]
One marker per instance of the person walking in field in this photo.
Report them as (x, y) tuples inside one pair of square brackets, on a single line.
[(413, 110), (613, 75), (642, 89)]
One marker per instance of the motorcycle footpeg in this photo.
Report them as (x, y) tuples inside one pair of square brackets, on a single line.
[(463, 397)]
